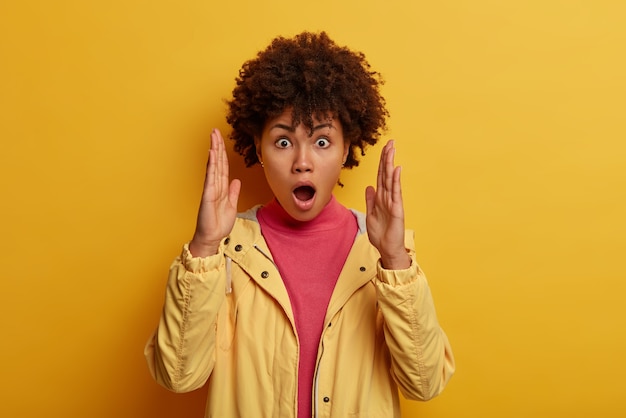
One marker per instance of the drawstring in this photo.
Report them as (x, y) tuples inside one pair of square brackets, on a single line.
[(229, 283)]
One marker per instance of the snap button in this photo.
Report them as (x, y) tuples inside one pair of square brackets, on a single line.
[(265, 274), (362, 268), (238, 247), (326, 399)]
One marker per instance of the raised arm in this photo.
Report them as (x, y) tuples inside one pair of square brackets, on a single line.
[(180, 354), (422, 360)]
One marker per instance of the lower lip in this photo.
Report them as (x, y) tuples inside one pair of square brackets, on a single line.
[(304, 205)]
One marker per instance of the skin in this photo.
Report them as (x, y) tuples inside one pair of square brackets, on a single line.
[(294, 157), (302, 158)]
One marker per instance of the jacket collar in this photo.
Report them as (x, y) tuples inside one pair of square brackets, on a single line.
[(246, 247)]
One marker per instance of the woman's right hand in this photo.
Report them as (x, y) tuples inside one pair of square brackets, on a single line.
[(218, 208)]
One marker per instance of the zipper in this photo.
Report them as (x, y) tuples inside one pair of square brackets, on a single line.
[(316, 383)]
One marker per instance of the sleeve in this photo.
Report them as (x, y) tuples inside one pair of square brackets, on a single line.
[(181, 352), (421, 356)]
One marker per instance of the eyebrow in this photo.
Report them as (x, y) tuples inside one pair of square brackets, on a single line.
[(293, 129)]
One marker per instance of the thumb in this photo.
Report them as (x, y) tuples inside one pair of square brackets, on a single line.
[(233, 192)]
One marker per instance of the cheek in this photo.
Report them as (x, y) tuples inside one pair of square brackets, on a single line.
[(332, 173), (275, 177)]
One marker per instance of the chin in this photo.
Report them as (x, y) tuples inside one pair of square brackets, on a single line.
[(303, 216)]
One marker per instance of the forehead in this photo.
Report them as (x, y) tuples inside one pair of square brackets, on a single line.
[(286, 119)]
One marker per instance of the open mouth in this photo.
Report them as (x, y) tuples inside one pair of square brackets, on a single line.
[(304, 193)]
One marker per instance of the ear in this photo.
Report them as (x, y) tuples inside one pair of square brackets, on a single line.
[(346, 150)]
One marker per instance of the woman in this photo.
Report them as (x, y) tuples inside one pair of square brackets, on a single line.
[(301, 307)]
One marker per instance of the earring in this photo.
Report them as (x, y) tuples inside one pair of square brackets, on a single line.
[(262, 164)]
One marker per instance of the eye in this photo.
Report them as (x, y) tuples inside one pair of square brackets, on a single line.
[(322, 142), (282, 143)]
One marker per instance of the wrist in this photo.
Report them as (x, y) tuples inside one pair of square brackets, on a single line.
[(202, 249), (396, 262)]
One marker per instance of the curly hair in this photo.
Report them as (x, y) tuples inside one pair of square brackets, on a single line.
[(313, 76)]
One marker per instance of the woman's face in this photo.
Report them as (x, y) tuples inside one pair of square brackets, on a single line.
[(301, 168)]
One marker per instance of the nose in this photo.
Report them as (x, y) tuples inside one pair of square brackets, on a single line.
[(302, 161)]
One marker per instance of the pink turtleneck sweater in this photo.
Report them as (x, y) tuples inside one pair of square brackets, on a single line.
[(309, 256)]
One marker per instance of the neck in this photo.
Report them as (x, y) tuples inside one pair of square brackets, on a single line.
[(275, 216)]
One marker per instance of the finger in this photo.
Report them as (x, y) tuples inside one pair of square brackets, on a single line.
[(212, 147), (213, 166), (397, 186), (380, 181), (213, 140), (381, 163), (370, 197), (233, 193), (223, 171), (389, 171)]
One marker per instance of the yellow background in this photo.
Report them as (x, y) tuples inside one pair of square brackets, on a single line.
[(509, 121)]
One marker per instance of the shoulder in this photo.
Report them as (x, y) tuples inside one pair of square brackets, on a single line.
[(250, 214), (360, 220), (246, 227)]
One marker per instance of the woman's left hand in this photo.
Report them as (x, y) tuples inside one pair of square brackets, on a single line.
[(385, 213)]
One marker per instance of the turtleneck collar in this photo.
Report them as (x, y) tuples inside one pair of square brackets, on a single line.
[(331, 217)]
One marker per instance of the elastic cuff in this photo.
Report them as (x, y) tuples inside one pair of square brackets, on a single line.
[(199, 264), (397, 277)]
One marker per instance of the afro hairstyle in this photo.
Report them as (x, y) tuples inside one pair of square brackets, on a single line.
[(313, 76)]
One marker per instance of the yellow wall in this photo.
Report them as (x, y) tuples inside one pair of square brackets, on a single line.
[(510, 124)]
